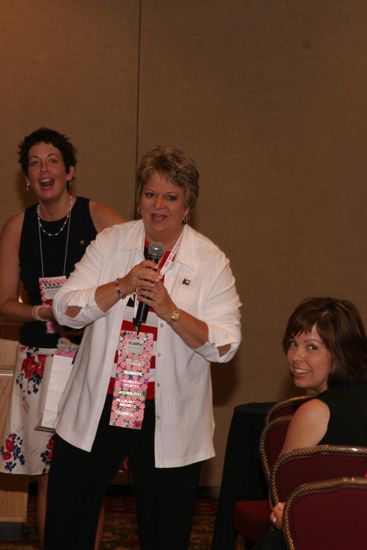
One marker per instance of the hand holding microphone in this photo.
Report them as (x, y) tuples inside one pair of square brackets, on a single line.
[(155, 252)]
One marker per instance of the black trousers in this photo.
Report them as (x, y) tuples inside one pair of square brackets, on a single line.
[(78, 481), (272, 541)]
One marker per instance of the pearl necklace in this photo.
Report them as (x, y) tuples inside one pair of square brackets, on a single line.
[(63, 225)]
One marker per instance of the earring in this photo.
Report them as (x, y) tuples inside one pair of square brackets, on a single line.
[(138, 209), (185, 220), (27, 186)]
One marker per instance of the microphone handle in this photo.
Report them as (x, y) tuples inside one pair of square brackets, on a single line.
[(142, 313)]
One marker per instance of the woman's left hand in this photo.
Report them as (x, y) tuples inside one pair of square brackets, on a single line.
[(276, 516), (157, 298), (193, 331)]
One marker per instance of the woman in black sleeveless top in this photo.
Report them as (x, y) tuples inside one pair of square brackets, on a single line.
[(44, 241), (326, 349)]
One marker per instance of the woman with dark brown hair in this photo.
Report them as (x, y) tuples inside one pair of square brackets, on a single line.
[(38, 249), (326, 347)]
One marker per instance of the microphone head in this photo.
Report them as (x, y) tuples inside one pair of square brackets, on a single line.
[(155, 251)]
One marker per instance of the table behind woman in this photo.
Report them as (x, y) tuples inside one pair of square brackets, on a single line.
[(165, 423), (39, 248)]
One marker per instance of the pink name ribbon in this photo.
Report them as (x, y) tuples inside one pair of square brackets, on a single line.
[(131, 379)]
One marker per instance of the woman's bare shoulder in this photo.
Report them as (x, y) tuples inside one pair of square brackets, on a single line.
[(311, 409), (308, 425), (103, 215), (13, 226)]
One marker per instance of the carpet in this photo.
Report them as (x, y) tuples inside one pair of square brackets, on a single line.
[(120, 532)]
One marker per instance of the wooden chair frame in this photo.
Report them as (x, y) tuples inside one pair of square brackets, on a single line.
[(269, 456)]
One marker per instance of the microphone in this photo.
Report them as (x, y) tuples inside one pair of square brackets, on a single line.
[(155, 252)]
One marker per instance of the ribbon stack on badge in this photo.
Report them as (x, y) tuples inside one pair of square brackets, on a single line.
[(48, 288), (131, 379)]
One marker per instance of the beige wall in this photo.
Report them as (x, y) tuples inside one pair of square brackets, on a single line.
[(268, 97), (71, 65)]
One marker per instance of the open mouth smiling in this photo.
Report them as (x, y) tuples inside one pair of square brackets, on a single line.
[(45, 182)]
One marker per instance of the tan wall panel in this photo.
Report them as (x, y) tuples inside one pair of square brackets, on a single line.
[(269, 98), (71, 65)]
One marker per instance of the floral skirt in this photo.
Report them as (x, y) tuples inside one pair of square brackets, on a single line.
[(25, 450)]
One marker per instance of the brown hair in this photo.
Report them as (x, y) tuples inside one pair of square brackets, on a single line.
[(47, 135), (341, 328), (176, 166)]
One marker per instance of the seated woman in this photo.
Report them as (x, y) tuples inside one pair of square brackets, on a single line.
[(326, 347)]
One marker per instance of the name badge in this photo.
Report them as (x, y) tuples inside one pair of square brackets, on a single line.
[(48, 288), (131, 379)]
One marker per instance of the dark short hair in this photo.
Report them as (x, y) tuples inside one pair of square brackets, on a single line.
[(341, 329), (46, 135), (176, 166)]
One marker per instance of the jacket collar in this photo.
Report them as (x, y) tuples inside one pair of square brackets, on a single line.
[(186, 253)]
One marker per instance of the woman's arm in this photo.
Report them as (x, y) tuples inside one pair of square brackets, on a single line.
[(308, 425), (103, 216), (216, 336), (221, 313), (193, 331), (10, 307), (220, 319)]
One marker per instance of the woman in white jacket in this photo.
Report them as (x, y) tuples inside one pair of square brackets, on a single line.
[(141, 388)]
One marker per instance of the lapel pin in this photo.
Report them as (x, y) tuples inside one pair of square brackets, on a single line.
[(186, 282)]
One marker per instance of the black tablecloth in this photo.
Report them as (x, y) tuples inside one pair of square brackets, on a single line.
[(243, 478)]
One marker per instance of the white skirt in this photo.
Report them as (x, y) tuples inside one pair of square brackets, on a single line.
[(25, 450)]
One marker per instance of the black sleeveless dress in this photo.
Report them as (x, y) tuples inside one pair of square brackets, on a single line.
[(56, 260), (25, 450)]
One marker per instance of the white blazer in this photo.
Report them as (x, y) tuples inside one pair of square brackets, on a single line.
[(183, 395)]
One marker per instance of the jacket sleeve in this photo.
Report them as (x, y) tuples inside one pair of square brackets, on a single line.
[(80, 288), (222, 315)]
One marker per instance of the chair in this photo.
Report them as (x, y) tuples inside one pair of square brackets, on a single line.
[(314, 464), (251, 517), (286, 407), (271, 442), (327, 514)]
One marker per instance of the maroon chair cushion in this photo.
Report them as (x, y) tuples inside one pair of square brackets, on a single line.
[(252, 518)]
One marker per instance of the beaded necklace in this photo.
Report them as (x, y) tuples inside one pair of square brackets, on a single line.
[(41, 228), (63, 225)]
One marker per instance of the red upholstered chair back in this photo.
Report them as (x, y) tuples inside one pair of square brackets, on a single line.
[(314, 464), (251, 517), (327, 514), (271, 442), (286, 407)]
